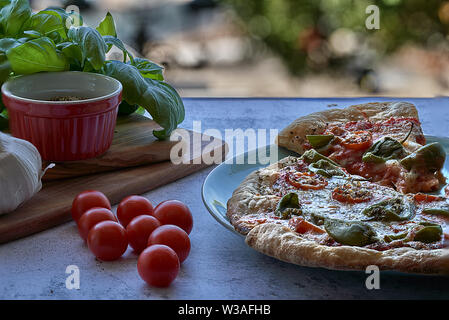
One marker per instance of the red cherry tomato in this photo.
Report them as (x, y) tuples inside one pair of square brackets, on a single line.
[(158, 265), (91, 217), (306, 180), (87, 200), (174, 237), (131, 207), (174, 212), (107, 240), (139, 229), (358, 140)]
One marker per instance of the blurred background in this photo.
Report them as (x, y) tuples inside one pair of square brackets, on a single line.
[(285, 48)]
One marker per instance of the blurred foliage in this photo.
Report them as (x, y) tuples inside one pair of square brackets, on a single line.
[(320, 34)]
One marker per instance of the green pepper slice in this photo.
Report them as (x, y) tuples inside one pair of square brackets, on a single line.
[(288, 205), (311, 156), (430, 158), (437, 211), (392, 237), (396, 209), (385, 149), (431, 232), (351, 233), (326, 169), (319, 141)]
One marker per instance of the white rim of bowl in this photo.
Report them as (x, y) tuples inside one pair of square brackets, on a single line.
[(5, 90)]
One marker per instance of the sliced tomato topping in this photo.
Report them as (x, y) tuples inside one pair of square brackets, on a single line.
[(358, 140), (302, 226), (350, 194), (306, 180), (422, 197)]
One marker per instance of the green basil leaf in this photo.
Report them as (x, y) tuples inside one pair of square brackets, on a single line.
[(107, 26), (385, 149), (319, 141), (35, 56), (46, 24), (398, 236), (125, 108), (326, 169), (158, 98), (430, 158), (351, 233), (437, 211), (92, 45), (111, 41), (8, 43), (311, 156), (32, 34), (5, 71), (396, 209), (431, 232), (149, 69), (4, 3), (73, 53), (67, 18), (288, 205), (13, 17)]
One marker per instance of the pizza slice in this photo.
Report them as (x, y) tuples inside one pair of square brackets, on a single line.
[(382, 142), (312, 212)]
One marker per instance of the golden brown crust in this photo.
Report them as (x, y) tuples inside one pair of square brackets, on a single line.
[(247, 198), (293, 136), (280, 242)]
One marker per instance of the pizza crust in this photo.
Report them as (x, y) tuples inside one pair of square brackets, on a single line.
[(280, 242), (293, 136), (249, 197)]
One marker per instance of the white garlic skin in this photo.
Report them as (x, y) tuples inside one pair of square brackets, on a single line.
[(20, 172)]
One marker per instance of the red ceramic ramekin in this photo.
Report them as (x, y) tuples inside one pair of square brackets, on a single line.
[(64, 130)]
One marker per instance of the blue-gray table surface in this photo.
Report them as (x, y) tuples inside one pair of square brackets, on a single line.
[(221, 265)]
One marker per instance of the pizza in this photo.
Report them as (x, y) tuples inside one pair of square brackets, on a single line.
[(357, 194)]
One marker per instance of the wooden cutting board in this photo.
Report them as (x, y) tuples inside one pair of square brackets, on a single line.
[(134, 144), (51, 206)]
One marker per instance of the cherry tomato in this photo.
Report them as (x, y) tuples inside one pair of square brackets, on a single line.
[(107, 240), (139, 229), (131, 207), (91, 217), (174, 237), (86, 200), (358, 140), (302, 226), (306, 180), (174, 212), (158, 265), (350, 194), (422, 197)]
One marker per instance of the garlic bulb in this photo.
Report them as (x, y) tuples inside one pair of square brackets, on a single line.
[(20, 172)]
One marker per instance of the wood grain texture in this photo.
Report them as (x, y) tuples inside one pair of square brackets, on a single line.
[(133, 145), (51, 206)]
